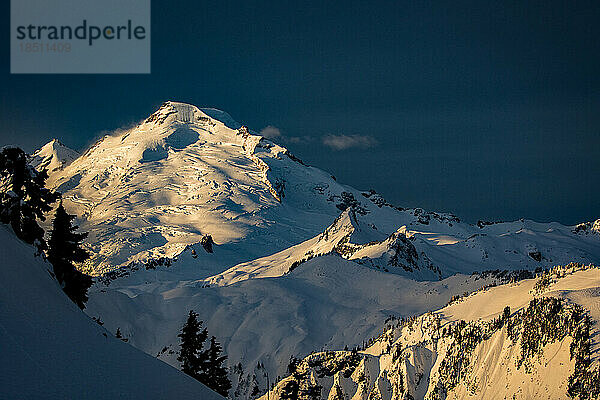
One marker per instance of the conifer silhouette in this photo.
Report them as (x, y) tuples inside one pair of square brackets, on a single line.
[(64, 250), (217, 378), (205, 366), (23, 196), (191, 355)]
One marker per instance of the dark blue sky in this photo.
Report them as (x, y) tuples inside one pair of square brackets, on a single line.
[(487, 109)]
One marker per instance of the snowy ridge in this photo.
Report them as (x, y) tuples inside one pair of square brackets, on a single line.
[(347, 238), (397, 254), (439, 355), (286, 260)]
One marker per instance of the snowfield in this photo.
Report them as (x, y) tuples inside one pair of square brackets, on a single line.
[(191, 210), (328, 302)]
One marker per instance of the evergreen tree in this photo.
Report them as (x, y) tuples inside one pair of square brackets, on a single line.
[(64, 249), (292, 367), (311, 391), (23, 196), (205, 366), (216, 373), (255, 390), (191, 355), (506, 313), (118, 334)]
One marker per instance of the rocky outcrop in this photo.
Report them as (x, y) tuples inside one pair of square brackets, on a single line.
[(540, 349)]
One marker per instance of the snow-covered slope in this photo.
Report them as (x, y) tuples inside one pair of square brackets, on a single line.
[(523, 340), (52, 350), (152, 191)]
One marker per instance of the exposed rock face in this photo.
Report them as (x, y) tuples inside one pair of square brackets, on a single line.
[(207, 243), (586, 228), (536, 255), (405, 255)]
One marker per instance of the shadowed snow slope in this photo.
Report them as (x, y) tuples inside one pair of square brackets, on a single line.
[(52, 350), (326, 302)]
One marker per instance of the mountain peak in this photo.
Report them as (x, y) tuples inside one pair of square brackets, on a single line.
[(53, 145), (179, 112), (53, 156), (186, 172)]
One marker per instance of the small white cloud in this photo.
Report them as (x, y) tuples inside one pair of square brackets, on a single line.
[(298, 139), (270, 132), (344, 142)]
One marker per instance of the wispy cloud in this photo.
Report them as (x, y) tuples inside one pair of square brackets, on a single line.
[(345, 142), (298, 139), (273, 132), (270, 132), (335, 142)]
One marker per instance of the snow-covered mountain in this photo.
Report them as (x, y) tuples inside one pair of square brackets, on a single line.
[(526, 340), (185, 173), (52, 350), (151, 192), (192, 210)]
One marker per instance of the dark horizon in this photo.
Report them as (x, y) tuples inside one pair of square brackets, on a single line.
[(486, 111)]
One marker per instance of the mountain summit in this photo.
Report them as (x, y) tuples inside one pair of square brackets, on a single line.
[(184, 173), (53, 156)]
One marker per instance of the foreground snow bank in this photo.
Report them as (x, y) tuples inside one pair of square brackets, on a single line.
[(52, 350)]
